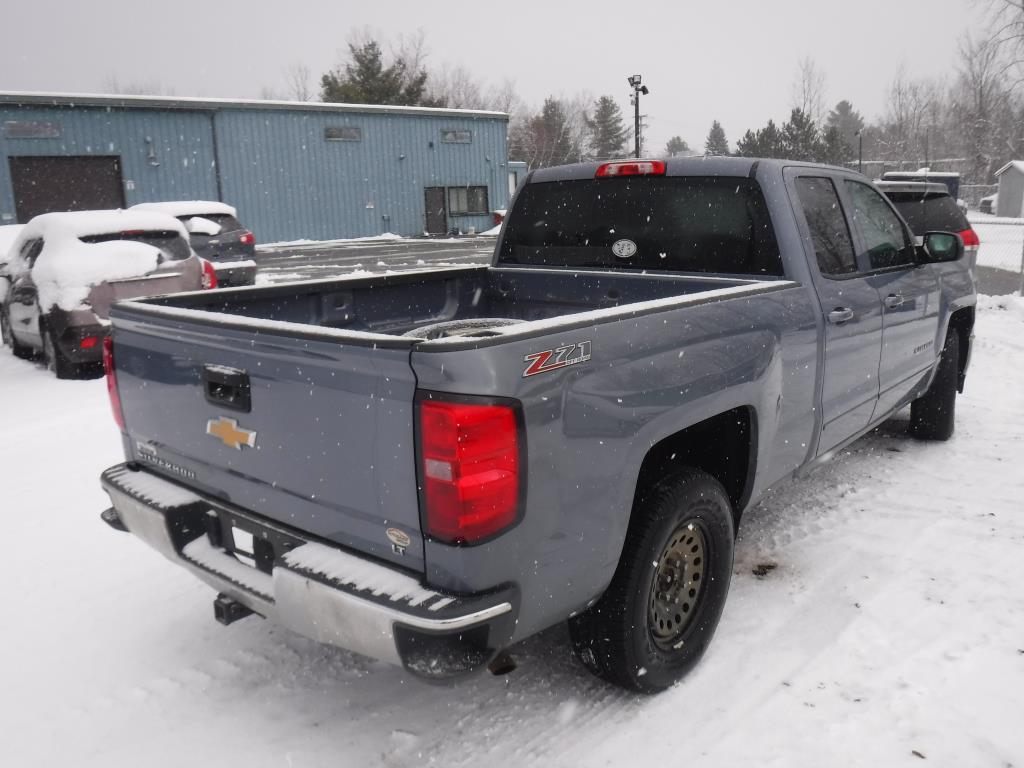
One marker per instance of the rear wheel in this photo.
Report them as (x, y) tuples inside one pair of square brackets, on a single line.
[(19, 349), (56, 360), (932, 415), (661, 610)]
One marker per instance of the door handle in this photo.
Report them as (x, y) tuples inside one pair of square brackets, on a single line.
[(840, 315), (227, 387), (893, 300)]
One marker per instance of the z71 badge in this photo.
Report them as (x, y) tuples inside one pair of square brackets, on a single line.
[(553, 359)]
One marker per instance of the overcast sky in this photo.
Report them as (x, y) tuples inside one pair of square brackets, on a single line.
[(730, 61)]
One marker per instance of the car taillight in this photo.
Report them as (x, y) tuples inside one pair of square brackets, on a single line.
[(970, 238), (471, 471), (88, 342), (247, 238), (111, 374), (631, 168), (209, 275)]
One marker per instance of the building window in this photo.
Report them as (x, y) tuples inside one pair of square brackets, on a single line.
[(343, 133), (30, 129), (456, 137), (467, 200)]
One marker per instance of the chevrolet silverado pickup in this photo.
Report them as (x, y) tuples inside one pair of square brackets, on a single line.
[(429, 467)]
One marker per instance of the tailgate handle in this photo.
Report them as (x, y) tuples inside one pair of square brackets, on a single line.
[(227, 387)]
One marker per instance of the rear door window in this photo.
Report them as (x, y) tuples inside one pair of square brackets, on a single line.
[(931, 213), (683, 224), (833, 246), (171, 243), (880, 228)]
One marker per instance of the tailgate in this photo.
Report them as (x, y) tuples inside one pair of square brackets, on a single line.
[(325, 444)]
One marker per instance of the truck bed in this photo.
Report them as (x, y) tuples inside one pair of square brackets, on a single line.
[(406, 306)]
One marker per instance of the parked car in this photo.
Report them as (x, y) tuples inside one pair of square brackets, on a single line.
[(929, 207), (217, 235), (66, 269), (988, 204), (428, 467)]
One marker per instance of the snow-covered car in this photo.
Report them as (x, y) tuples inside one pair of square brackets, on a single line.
[(8, 234), (217, 235), (66, 269), (988, 204)]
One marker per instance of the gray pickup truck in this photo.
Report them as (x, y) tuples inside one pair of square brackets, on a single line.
[(428, 467)]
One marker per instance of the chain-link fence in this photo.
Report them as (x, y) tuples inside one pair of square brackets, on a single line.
[(1002, 248)]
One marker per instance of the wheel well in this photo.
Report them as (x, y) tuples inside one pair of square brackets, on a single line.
[(962, 322), (722, 446)]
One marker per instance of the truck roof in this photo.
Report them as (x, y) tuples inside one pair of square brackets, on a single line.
[(708, 165)]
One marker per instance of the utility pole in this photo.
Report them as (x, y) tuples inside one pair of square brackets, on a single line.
[(634, 81), (860, 151)]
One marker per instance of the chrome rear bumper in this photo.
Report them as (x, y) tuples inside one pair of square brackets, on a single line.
[(317, 590)]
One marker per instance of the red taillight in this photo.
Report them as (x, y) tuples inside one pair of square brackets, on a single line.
[(470, 456), (247, 238), (209, 275), (88, 342), (970, 238), (631, 168), (111, 374)]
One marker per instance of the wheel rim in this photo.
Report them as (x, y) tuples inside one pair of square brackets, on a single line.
[(678, 584)]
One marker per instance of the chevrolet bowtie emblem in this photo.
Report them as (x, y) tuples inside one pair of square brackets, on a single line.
[(228, 432)]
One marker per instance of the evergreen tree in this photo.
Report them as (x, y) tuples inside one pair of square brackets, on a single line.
[(766, 142), (366, 80), (716, 143), (608, 134), (676, 146), (834, 150), (845, 119), (800, 138), (546, 138)]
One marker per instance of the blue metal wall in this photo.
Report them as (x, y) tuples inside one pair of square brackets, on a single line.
[(279, 164), (182, 143), (286, 179)]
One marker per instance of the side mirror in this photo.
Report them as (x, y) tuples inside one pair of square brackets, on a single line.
[(938, 247)]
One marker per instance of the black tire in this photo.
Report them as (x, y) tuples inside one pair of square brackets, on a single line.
[(933, 414), (617, 638), (19, 349), (55, 359)]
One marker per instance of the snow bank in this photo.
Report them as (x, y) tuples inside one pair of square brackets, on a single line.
[(187, 208), (283, 243)]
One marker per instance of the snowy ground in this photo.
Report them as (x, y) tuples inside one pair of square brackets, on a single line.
[(890, 632)]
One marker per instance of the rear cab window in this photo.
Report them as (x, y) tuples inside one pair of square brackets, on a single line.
[(171, 243), (665, 223)]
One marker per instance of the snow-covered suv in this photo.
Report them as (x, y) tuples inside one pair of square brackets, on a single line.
[(66, 269)]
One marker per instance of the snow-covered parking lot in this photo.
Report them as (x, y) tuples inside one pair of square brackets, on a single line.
[(885, 627)]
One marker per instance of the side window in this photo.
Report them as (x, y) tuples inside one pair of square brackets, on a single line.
[(882, 230), (829, 233)]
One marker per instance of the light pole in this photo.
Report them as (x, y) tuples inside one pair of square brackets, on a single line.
[(634, 80), (860, 152)]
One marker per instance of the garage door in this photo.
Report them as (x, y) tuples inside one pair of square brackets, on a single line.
[(44, 184)]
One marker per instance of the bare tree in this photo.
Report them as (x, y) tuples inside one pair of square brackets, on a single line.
[(980, 101), (808, 93), (1008, 34), (298, 82), (455, 87)]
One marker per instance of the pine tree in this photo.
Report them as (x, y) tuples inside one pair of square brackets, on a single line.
[(716, 143), (766, 142), (834, 150), (800, 138), (608, 134), (546, 138), (845, 119), (367, 81), (676, 146)]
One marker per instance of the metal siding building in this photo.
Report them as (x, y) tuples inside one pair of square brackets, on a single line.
[(294, 170), (1011, 190)]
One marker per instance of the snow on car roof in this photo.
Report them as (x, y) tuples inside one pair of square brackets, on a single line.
[(72, 225), (187, 207)]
